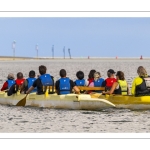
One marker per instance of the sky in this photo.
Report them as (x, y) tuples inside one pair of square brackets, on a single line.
[(84, 36)]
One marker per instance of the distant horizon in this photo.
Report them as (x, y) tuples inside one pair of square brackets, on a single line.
[(67, 57)]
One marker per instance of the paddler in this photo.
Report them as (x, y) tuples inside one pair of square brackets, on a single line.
[(98, 81), (29, 82), (141, 84), (65, 85), (80, 81), (18, 83), (44, 80), (110, 80), (90, 81), (9, 82), (120, 86)]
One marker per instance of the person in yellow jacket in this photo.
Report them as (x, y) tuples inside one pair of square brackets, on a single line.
[(119, 87), (141, 84)]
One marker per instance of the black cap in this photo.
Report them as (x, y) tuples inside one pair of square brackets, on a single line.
[(31, 73), (111, 71)]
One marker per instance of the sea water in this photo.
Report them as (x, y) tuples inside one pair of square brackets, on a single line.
[(43, 120)]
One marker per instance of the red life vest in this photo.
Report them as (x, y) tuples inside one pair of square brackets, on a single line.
[(19, 81), (90, 81), (110, 81)]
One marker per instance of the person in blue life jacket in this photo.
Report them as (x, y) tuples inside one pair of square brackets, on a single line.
[(80, 80), (64, 85), (98, 81), (9, 82), (43, 80), (29, 82)]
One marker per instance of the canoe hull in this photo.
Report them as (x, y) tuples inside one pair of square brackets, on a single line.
[(129, 102), (69, 101)]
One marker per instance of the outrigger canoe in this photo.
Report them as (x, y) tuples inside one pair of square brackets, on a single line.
[(94, 101), (68, 101)]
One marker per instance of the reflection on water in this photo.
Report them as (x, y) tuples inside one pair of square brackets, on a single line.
[(44, 120)]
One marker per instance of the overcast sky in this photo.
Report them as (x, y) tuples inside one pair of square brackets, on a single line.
[(97, 37)]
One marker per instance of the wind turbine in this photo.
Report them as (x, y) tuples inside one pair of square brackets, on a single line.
[(69, 53), (37, 49), (14, 48), (53, 51)]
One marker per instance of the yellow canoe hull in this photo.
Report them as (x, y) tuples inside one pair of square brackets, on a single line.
[(130, 102), (69, 101)]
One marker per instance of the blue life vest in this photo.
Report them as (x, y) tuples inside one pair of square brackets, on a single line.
[(30, 83), (80, 82), (98, 83), (64, 85), (10, 83), (46, 80)]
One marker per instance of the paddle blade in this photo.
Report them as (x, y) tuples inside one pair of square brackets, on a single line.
[(22, 102)]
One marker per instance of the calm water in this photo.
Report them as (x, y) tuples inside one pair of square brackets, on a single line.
[(30, 119)]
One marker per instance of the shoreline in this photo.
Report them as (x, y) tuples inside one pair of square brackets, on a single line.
[(7, 58)]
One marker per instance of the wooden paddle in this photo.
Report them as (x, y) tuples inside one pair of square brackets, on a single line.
[(22, 102)]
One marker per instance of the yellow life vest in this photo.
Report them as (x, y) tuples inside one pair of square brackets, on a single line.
[(123, 86)]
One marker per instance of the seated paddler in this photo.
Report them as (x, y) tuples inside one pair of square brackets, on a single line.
[(98, 81), (9, 82), (110, 80), (15, 88), (141, 84), (65, 85), (43, 82), (29, 82), (120, 86), (80, 81)]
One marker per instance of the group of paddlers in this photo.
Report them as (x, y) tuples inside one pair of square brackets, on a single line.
[(112, 84)]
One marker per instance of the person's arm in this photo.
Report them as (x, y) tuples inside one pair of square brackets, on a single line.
[(29, 90), (56, 87), (128, 90), (115, 84), (133, 87), (86, 82), (74, 87), (91, 84), (5, 86)]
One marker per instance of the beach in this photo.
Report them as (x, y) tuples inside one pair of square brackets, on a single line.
[(43, 120)]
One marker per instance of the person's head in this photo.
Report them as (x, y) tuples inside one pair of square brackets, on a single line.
[(91, 74), (10, 76), (80, 75), (97, 75), (120, 75), (42, 69), (141, 71), (19, 75), (63, 73), (110, 73), (32, 74)]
